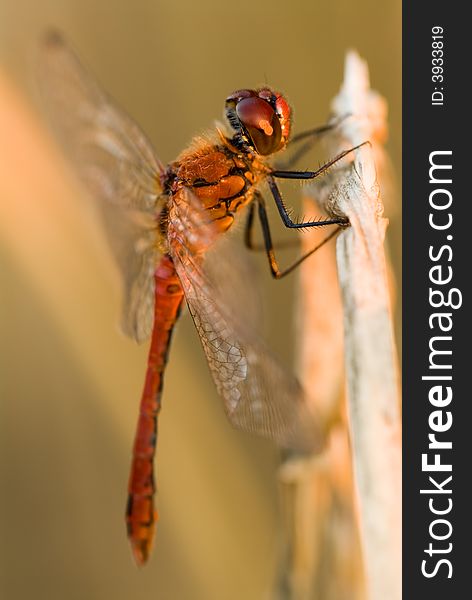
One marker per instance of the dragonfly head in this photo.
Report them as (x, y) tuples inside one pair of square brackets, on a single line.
[(260, 118)]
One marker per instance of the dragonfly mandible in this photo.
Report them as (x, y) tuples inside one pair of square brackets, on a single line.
[(161, 221)]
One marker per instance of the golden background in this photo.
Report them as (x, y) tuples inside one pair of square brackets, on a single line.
[(69, 382)]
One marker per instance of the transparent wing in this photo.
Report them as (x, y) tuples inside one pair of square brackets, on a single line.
[(133, 242), (118, 166), (260, 395)]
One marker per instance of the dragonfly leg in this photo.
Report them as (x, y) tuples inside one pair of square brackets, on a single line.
[(249, 230), (317, 131), (281, 174), (287, 221), (277, 273), (310, 137)]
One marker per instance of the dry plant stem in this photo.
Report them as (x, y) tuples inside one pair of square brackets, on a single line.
[(370, 356), (321, 549), (372, 386), (305, 496), (312, 493), (319, 360), (304, 486), (322, 558)]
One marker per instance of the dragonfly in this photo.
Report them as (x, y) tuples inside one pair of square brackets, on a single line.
[(162, 222)]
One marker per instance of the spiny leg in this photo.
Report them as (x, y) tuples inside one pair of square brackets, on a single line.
[(310, 136), (249, 230), (287, 221), (313, 174), (277, 273), (263, 218)]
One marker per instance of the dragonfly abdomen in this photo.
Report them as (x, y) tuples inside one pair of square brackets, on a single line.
[(141, 515)]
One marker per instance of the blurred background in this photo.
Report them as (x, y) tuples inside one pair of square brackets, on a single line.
[(69, 381)]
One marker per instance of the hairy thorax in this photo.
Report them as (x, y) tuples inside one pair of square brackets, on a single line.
[(220, 177)]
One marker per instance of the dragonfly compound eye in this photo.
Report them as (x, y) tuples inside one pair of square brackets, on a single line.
[(261, 123)]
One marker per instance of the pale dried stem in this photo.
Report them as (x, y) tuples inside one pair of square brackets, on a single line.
[(319, 360), (314, 488), (372, 385), (372, 377)]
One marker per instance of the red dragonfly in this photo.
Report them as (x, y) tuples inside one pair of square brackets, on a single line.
[(161, 222)]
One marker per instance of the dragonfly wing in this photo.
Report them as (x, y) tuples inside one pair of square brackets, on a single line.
[(260, 395), (112, 154), (133, 243), (118, 166)]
